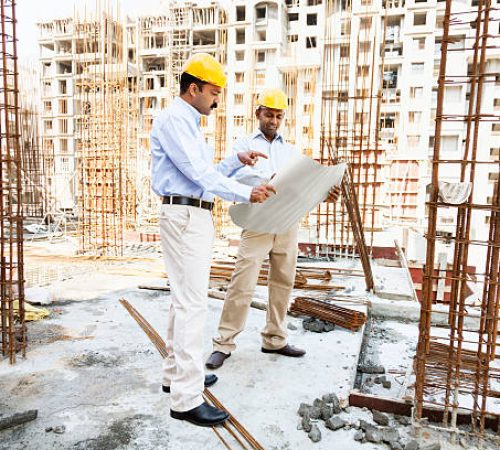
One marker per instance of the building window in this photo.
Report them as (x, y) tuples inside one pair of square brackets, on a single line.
[(261, 36), (413, 140), (308, 108), (293, 17), (344, 51), (307, 87), (238, 99), (449, 143), (260, 12), (417, 68), (416, 92), (47, 106), (240, 36), (366, 22), (313, 2), (62, 87), (495, 152), (240, 13), (63, 107), (64, 145), (453, 94), (261, 56), (48, 125), (414, 117), (260, 78), (239, 121), (293, 38), (312, 19), (63, 126), (239, 77), (419, 43), (419, 19), (240, 55), (311, 42), (65, 165)]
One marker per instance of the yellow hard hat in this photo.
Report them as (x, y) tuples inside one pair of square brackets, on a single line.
[(206, 68), (273, 98)]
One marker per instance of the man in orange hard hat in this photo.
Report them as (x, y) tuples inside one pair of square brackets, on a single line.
[(255, 247), (184, 176)]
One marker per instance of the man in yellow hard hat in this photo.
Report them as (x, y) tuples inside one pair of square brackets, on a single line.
[(255, 247), (184, 176)]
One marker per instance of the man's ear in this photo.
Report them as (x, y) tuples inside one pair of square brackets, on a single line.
[(193, 89)]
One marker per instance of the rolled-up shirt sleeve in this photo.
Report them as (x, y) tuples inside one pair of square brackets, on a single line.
[(176, 138)]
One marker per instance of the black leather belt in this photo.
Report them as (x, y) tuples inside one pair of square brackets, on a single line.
[(187, 201)]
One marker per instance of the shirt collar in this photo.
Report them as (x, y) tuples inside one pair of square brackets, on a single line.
[(193, 112), (259, 133)]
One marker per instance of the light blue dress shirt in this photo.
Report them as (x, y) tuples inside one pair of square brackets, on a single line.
[(279, 154), (182, 162)]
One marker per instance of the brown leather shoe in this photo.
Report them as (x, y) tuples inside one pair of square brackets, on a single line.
[(216, 359), (287, 350)]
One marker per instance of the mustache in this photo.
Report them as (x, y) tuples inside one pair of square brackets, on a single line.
[(214, 105)]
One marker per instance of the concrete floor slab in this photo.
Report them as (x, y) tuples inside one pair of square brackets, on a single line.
[(91, 369)]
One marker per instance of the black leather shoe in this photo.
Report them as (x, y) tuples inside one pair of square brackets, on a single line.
[(287, 350), (216, 359), (210, 380), (203, 415)]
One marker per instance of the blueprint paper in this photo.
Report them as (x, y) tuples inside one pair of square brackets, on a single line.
[(300, 186)]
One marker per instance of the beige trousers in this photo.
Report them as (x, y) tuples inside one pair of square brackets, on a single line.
[(187, 234), (254, 248)]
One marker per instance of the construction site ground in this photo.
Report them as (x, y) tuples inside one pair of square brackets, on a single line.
[(95, 378)]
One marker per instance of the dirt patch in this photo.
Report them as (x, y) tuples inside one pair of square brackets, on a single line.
[(119, 434), (91, 359)]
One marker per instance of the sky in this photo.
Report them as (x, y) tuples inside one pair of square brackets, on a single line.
[(29, 12)]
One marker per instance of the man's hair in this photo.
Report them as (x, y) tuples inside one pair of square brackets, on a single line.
[(187, 80)]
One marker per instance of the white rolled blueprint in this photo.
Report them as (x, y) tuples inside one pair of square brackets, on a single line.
[(300, 186)]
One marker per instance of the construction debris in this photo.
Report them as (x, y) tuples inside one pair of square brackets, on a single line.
[(307, 278), (18, 419), (346, 318)]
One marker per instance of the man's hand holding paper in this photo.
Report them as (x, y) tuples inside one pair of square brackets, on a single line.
[(300, 187)]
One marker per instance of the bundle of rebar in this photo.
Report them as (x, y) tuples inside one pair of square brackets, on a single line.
[(461, 361), (343, 317), (222, 271), (235, 429), (12, 327)]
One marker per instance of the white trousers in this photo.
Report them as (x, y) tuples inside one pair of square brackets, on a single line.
[(187, 234)]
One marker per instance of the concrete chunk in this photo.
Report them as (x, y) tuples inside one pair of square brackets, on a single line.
[(371, 369), (373, 435), (359, 435), (303, 409), (326, 412), (411, 445), (306, 423), (433, 446), (315, 434), (380, 418), (315, 412), (335, 423)]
